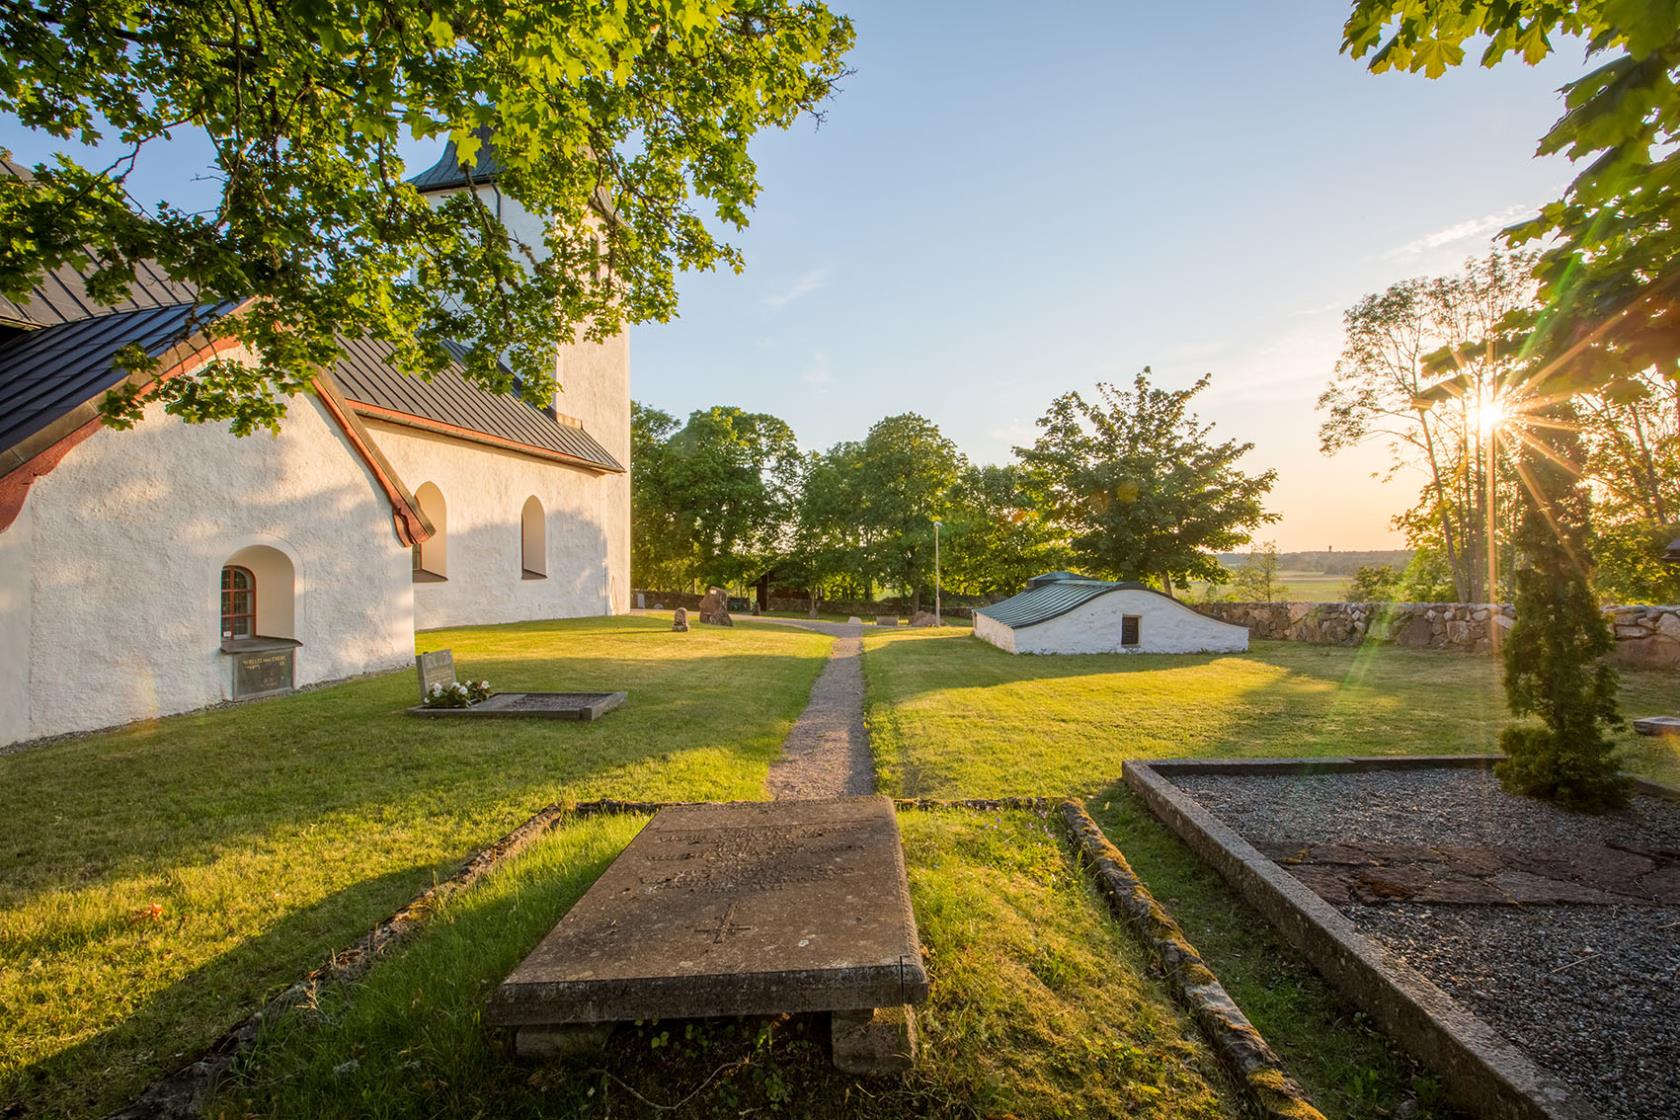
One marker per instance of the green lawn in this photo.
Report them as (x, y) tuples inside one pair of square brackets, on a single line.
[(270, 833), (953, 717), (1041, 1006)]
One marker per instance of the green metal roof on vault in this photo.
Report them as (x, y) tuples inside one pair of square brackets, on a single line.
[(1054, 594)]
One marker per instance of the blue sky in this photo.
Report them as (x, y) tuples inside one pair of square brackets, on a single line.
[(1008, 201)]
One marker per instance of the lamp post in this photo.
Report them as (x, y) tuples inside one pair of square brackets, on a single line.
[(936, 613)]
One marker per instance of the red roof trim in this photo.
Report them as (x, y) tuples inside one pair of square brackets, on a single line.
[(426, 423), (14, 486)]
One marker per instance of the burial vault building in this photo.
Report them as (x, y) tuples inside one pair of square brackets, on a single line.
[(1061, 612), (161, 569)]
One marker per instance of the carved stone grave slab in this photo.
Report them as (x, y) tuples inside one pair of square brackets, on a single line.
[(746, 908)]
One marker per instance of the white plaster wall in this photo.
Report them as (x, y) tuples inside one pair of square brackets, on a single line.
[(16, 563), (1164, 626), (989, 629), (484, 491), (129, 535), (594, 381)]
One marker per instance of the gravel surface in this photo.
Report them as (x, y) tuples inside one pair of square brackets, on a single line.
[(1591, 993), (1445, 806), (1606, 1021), (827, 752)]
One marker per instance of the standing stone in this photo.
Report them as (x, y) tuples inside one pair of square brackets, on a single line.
[(714, 608), (925, 618), (680, 621)]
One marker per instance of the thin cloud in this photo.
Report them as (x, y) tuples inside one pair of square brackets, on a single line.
[(816, 374), (1474, 229), (803, 286)]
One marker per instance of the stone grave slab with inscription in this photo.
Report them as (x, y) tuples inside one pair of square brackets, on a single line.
[(438, 667), (744, 908)]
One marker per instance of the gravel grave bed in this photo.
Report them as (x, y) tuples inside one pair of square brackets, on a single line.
[(1591, 993)]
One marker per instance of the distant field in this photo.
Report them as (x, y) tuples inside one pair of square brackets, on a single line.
[(1292, 586)]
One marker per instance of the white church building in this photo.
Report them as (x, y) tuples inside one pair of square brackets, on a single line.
[(173, 566), (1061, 612)]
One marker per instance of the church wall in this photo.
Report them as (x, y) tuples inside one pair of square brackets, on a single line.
[(484, 492), (16, 552), (129, 535)]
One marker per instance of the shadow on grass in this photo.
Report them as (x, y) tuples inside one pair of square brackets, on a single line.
[(269, 833), (251, 972)]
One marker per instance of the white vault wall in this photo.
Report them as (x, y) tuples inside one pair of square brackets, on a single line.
[(1164, 626)]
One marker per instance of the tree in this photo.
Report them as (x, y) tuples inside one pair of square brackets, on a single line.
[(906, 473), (1554, 655), (722, 488), (660, 552), (1138, 484), (996, 536), (1429, 366), (1256, 580), (626, 123), (1610, 273), (1373, 583)]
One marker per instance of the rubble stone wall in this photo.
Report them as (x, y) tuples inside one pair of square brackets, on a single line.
[(1645, 636)]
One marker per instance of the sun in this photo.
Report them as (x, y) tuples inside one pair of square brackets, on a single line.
[(1491, 412)]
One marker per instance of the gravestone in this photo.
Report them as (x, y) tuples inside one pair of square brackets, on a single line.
[(886, 620), (925, 618), (1658, 725), (641, 601), (714, 608), (748, 908), (438, 668), (679, 621)]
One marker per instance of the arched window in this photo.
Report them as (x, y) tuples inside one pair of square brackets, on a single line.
[(533, 540), (239, 602), (431, 556)]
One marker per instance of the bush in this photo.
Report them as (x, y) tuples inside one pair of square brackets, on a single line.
[(1373, 583)]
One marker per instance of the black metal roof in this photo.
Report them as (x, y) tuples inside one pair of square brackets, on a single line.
[(61, 295), (366, 376), (48, 372), (449, 172)]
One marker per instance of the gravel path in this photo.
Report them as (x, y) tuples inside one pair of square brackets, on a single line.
[(1589, 992), (827, 752)]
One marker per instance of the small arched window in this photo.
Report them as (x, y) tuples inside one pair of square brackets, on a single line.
[(239, 602), (533, 540), (431, 556)]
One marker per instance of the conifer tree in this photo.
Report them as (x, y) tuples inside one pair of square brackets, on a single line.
[(1554, 656)]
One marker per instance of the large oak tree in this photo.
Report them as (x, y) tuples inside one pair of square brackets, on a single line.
[(627, 121)]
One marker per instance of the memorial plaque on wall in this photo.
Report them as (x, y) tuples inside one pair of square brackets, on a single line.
[(262, 673)]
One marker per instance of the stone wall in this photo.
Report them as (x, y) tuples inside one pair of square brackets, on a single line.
[(1648, 636)]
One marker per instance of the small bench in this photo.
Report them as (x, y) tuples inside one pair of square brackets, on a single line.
[(438, 668)]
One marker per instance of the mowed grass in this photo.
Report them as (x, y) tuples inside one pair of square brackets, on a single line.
[(1290, 587), (1041, 1007), (267, 834), (951, 716)]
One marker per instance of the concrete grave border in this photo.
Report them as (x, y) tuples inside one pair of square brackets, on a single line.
[(600, 703), (1487, 1073)]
